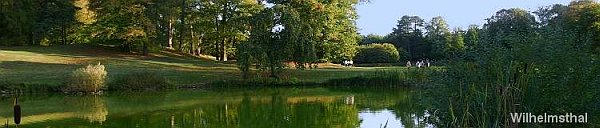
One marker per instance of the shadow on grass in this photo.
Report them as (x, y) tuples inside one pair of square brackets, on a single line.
[(34, 72), (164, 58)]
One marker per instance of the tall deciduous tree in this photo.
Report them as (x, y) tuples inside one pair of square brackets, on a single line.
[(318, 30), (53, 21), (438, 35), (128, 23), (340, 33), (456, 44), (582, 18), (408, 35), (264, 47), (510, 27), (471, 37), (231, 24)]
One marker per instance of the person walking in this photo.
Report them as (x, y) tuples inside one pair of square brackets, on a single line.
[(428, 63)]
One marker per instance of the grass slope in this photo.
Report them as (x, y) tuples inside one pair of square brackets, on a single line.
[(50, 65)]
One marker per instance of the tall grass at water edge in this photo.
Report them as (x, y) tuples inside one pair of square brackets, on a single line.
[(483, 92), (387, 78)]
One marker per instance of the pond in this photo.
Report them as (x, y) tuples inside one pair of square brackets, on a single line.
[(254, 108)]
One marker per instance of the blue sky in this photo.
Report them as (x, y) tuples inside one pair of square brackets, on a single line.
[(380, 16)]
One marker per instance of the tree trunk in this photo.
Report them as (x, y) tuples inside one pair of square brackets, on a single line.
[(182, 34), (170, 35), (223, 50), (64, 34), (217, 51), (145, 49), (224, 57), (199, 46), (35, 39), (409, 50), (272, 66), (192, 50)]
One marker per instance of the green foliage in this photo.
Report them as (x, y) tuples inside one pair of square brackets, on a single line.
[(408, 34), (510, 27), (318, 30), (439, 36), (245, 59), (88, 79), (372, 38), (517, 67), (377, 53), (129, 24), (139, 81), (581, 18), (300, 35), (444, 44), (222, 24), (34, 22), (300, 32), (265, 48), (456, 45), (471, 37)]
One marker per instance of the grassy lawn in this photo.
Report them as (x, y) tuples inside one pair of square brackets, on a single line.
[(50, 65)]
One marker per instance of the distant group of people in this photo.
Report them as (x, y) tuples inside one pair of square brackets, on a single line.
[(347, 63), (419, 64)]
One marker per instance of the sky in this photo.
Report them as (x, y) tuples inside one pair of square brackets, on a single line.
[(380, 16)]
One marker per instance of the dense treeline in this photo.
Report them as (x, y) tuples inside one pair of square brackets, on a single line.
[(34, 22), (309, 30), (427, 40), (516, 64)]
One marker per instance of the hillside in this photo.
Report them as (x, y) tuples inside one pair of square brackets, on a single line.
[(50, 65)]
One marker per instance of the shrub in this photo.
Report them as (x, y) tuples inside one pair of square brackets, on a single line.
[(377, 53), (87, 79), (140, 81)]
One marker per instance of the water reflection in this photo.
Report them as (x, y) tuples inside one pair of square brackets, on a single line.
[(285, 107), (91, 108)]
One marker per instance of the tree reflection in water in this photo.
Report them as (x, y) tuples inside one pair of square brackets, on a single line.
[(89, 107), (283, 107)]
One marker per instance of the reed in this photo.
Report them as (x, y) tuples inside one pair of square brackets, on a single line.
[(140, 81), (386, 78), (551, 79)]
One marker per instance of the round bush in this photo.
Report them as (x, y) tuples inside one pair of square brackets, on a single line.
[(87, 79), (377, 53)]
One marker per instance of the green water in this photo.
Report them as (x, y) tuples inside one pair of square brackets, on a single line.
[(252, 108)]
